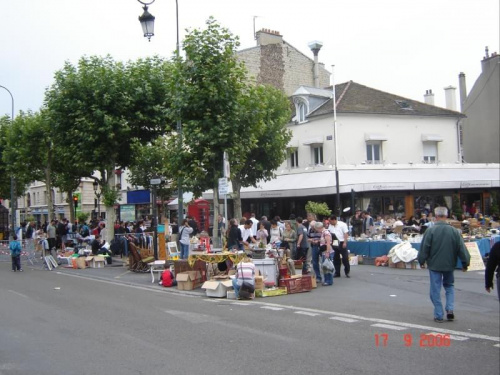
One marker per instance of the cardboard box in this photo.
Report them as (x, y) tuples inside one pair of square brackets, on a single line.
[(216, 288), (188, 280), (396, 265), (313, 281), (259, 282), (353, 260)]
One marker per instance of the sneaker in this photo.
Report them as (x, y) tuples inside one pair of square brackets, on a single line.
[(21, 270), (347, 275), (450, 316), (437, 320), (13, 270)]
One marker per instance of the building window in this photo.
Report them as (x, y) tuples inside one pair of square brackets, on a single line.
[(317, 154), (430, 152), (294, 158), (302, 112), (374, 152)]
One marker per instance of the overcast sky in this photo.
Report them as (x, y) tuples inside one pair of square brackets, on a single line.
[(400, 46)]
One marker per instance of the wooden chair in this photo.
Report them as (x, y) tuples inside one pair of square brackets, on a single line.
[(136, 262)]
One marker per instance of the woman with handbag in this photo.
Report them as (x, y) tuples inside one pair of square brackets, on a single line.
[(325, 247), (244, 282)]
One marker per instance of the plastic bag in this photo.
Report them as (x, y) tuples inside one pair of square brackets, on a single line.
[(327, 264)]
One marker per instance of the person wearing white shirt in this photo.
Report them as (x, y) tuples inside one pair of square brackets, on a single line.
[(341, 232), (246, 233), (255, 225)]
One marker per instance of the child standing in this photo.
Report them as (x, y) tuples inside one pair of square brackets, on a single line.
[(15, 253)]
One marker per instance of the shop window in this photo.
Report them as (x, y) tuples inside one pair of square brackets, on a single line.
[(374, 152), (430, 152)]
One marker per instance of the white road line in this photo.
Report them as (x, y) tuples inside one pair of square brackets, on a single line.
[(347, 320), (272, 308), (497, 345), (17, 293), (306, 313), (388, 326), (295, 308), (210, 300), (241, 303), (452, 337), (385, 321)]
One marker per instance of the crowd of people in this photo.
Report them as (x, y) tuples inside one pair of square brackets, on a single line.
[(309, 240)]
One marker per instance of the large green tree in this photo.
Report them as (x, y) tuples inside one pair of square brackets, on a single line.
[(208, 85), (99, 107)]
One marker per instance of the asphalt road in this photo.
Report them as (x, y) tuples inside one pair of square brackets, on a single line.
[(110, 321)]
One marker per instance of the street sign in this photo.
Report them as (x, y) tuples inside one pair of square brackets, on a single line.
[(155, 181), (223, 186)]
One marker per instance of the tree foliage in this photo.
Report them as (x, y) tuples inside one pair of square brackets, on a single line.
[(208, 85), (318, 208)]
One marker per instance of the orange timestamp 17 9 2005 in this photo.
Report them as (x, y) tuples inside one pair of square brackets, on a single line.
[(426, 340)]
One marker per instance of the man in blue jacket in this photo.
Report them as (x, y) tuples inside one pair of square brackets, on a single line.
[(441, 246), (15, 253)]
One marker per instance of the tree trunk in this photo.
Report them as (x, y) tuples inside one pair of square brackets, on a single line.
[(110, 210), (48, 184), (71, 205), (215, 224), (236, 198)]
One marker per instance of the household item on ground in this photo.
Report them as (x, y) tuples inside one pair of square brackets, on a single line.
[(136, 262)]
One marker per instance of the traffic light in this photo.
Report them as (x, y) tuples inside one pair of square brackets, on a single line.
[(75, 200)]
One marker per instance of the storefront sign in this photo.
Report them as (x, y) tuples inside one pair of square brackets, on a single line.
[(475, 184), (266, 194), (388, 186), (476, 260), (127, 212)]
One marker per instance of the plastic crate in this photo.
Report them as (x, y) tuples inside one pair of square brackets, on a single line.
[(259, 254), (306, 283), (292, 285), (271, 292)]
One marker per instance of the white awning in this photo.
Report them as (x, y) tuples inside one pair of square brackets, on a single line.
[(375, 137), (431, 138), (312, 141), (186, 198)]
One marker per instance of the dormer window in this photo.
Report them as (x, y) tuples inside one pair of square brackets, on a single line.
[(301, 109)]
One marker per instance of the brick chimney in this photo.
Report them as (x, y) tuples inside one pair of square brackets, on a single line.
[(266, 36)]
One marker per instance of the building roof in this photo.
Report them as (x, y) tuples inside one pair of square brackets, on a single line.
[(353, 97)]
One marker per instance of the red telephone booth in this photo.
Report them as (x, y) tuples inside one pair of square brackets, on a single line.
[(199, 209)]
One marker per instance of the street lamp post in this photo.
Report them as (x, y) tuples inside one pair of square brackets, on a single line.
[(13, 199), (147, 23), (98, 194), (335, 136)]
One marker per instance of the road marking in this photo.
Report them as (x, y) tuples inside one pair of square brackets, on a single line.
[(210, 300), (347, 320), (241, 303), (384, 321), (388, 326), (497, 345), (294, 308), (120, 275), (452, 337), (272, 308), (306, 313), (19, 294)]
